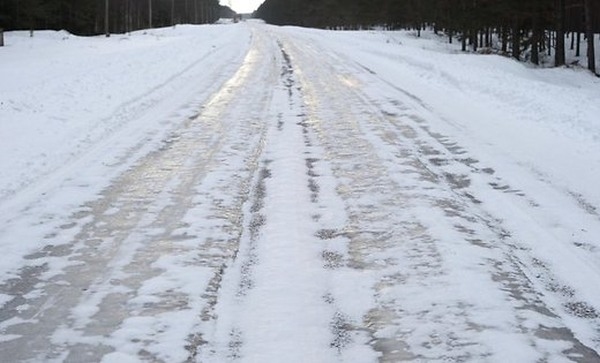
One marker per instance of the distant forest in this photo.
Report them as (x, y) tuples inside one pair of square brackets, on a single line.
[(521, 28), (88, 17)]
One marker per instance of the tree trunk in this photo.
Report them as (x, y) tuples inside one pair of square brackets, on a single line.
[(535, 41), (149, 14), (186, 14), (504, 39), (516, 39), (559, 55), (1, 37), (578, 45), (106, 20), (126, 16), (589, 31), (173, 12)]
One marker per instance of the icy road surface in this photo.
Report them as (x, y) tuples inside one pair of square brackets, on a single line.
[(293, 195)]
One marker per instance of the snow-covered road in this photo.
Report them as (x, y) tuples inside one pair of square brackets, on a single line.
[(296, 195)]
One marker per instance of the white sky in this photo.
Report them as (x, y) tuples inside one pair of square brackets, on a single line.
[(242, 6)]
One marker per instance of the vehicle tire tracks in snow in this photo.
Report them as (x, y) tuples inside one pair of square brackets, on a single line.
[(126, 117), (276, 300), (416, 224), (299, 218), (142, 268)]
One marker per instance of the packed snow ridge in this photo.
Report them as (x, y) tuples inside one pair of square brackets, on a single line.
[(244, 192)]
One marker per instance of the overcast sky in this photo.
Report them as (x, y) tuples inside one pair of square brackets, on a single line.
[(242, 6)]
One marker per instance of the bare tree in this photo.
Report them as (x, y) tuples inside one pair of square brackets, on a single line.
[(589, 33)]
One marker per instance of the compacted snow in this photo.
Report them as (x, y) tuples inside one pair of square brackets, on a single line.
[(243, 192)]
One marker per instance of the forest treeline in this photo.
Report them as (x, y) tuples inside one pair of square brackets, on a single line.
[(89, 17), (522, 28)]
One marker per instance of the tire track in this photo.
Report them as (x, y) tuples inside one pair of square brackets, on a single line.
[(396, 176), (151, 249)]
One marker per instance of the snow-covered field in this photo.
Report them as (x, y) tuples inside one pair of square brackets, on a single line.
[(242, 192)]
